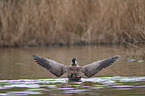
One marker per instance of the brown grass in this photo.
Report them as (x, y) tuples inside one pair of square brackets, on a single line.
[(48, 22)]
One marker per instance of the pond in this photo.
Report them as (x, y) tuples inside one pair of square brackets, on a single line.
[(20, 75)]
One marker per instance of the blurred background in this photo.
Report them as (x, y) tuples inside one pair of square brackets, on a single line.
[(71, 22)]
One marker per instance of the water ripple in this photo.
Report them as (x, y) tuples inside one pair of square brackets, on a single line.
[(61, 86)]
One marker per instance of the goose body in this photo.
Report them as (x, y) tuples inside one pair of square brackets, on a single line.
[(74, 71)]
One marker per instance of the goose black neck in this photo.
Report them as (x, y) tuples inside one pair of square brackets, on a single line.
[(73, 60)]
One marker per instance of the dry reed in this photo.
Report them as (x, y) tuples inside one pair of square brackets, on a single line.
[(48, 22)]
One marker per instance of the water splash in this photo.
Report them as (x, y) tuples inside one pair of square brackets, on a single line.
[(54, 86)]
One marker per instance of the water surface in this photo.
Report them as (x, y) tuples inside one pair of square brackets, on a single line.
[(108, 86), (20, 75)]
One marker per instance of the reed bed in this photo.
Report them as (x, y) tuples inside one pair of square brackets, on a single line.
[(69, 22)]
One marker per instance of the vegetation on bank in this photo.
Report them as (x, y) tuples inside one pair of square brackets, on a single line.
[(50, 22)]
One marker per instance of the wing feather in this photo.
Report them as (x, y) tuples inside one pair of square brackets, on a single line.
[(54, 67), (93, 68)]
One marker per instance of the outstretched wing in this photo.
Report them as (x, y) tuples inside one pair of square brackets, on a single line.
[(54, 67), (93, 68)]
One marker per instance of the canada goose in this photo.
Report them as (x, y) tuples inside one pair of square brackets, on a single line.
[(74, 71)]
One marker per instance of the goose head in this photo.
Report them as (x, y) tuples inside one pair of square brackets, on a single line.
[(74, 62)]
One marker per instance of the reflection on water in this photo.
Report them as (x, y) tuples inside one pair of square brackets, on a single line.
[(20, 75), (130, 85)]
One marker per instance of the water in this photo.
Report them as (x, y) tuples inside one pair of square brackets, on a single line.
[(20, 75), (116, 85)]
